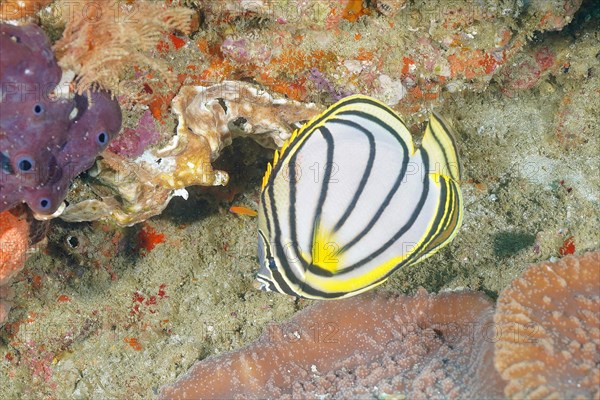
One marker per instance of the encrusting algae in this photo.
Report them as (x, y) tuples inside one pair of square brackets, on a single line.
[(14, 242)]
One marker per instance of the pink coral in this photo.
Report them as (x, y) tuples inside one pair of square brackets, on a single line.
[(133, 141)]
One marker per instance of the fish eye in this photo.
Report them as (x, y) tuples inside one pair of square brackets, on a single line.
[(45, 203), (25, 163), (102, 138), (272, 264), (38, 109)]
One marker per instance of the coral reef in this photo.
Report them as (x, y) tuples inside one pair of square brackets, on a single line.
[(435, 48), (45, 140), (281, 46), (548, 324), (426, 346), (209, 118), (100, 43), (104, 314)]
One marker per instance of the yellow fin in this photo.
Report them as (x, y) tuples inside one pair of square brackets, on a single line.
[(439, 144), (278, 155), (453, 214), (266, 176)]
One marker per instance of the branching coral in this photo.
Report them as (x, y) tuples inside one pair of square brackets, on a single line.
[(102, 42)]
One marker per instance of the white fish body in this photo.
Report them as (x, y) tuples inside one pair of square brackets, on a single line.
[(349, 200)]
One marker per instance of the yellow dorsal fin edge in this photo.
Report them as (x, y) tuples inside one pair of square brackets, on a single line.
[(278, 155)]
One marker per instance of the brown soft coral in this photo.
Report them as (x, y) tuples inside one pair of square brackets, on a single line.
[(548, 324), (422, 347)]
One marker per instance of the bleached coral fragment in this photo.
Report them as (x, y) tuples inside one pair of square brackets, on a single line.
[(231, 109), (390, 91), (209, 118)]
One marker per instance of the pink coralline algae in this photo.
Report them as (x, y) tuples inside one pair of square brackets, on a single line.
[(527, 70), (133, 141), (45, 140)]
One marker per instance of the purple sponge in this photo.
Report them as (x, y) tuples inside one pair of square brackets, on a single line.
[(45, 141)]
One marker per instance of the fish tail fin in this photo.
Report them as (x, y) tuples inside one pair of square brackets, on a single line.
[(445, 170), (439, 144)]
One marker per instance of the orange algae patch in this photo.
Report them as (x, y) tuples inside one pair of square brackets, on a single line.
[(148, 237), (406, 64), (354, 10), (471, 63), (568, 247), (162, 46), (364, 54), (14, 242), (425, 346), (63, 298), (177, 41), (548, 331), (133, 342), (202, 44), (159, 104)]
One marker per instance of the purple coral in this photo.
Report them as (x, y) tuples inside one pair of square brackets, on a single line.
[(45, 141), (322, 83)]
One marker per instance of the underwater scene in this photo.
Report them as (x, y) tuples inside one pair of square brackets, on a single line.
[(299, 199)]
